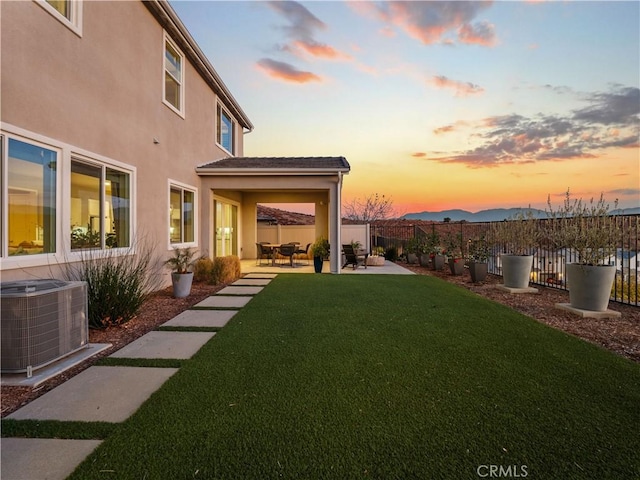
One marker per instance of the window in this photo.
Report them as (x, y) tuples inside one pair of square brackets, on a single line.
[(173, 77), (31, 202), (100, 206), (224, 130), (67, 12), (181, 215)]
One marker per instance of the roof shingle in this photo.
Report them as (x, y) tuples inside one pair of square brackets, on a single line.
[(285, 163)]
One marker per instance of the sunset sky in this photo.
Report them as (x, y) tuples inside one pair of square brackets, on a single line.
[(439, 105)]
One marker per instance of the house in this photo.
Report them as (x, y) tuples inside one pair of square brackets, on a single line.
[(115, 126)]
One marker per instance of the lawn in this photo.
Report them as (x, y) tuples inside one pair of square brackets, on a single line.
[(388, 377)]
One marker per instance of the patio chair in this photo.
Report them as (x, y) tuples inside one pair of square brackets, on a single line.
[(353, 258), (263, 252), (305, 252), (288, 250)]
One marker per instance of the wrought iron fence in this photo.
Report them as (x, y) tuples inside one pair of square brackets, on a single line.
[(548, 262)]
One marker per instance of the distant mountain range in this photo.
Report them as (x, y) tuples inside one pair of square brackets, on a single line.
[(492, 215)]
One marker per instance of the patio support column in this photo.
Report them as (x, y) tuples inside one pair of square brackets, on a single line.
[(335, 225)]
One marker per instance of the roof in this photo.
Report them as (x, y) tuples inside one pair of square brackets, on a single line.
[(299, 165), (168, 18)]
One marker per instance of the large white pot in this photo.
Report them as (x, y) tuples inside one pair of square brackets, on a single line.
[(590, 286), (516, 270), (181, 284)]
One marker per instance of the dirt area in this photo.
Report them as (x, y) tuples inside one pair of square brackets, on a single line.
[(619, 335)]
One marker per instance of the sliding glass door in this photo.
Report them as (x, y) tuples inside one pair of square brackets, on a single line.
[(226, 222)]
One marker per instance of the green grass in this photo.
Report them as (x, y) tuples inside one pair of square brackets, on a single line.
[(388, 377)]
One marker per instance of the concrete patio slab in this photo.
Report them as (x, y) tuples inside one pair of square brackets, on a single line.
[(217, 301), (180, 345), (253, 282), (517, 290), (56, 368), (588, 313), (201, 318), (98, 394), (43, 458), (260, 275), (240, 291)]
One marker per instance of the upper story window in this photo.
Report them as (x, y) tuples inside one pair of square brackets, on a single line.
[(67, 12), (31, 203), (173, 76), (225, 130)]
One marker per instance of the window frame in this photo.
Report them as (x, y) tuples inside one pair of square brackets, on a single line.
[(167, 40), (65, 152), (220, 111), (73, 22), (173, 184), (103, 166)]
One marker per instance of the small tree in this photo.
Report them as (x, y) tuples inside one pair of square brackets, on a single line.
[(367, 210)]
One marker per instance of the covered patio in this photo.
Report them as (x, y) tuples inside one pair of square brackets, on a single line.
[(232, 188)]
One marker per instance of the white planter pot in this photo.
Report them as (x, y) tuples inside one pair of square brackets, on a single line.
[(516, 270), (181, 284), (375, 261), (590, 286)]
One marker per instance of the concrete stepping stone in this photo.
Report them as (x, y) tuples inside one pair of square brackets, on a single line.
[(260, 275), (217, 301), (252, 282), (201, 318), (179, 345), (240, 291), (46, 458), (98, 394)]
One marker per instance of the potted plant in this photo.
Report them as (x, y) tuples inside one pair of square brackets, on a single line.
[(478, 258), (413, 250), (376, 259), (320, 251), (181, 277), (438, 256), (454, 252), (589, 231), (429, 248), (517, 236)]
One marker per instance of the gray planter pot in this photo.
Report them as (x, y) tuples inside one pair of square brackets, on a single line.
[(424, 260), (456, 265), (516, 270), (439, 261), (181, 284), (412, 258), (590, 286), (478, 271)]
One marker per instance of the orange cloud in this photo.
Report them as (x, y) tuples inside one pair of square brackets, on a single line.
[(445, 129), (321, 50), (462, 89), (482, 33), (286, 72), (419, 155)]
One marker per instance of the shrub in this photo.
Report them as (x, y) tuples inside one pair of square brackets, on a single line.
[(391, 254), (203, 270), (117, 283), (225, 269)]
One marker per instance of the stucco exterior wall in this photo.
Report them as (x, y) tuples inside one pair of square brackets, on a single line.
[(102, 93)]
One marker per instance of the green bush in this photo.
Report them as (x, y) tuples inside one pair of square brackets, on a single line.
[(117, 282), (391, 254)]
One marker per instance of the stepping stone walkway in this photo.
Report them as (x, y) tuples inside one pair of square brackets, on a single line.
[(113, 394)]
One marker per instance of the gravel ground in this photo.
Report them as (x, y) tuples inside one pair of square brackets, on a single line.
[(619, 335)]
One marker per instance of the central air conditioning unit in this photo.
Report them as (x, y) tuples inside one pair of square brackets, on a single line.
[(42, 321)]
